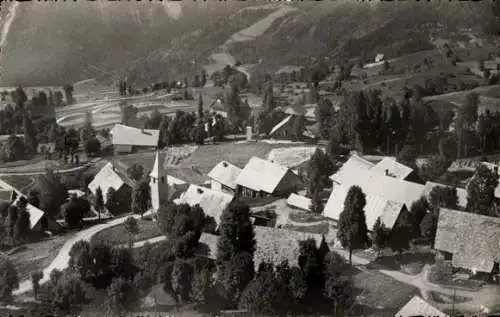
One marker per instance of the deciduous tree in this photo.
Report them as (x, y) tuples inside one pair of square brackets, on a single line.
[(481, 192), (9, 279)]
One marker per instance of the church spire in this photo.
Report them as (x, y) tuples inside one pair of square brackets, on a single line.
[(155, 172)]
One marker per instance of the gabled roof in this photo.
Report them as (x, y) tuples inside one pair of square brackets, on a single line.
[(298, 201), (280, 125), (353, 164), (376, 206), (225, 173), (418, 307), (213, 202), (393, 167), (125, 135), (35, 213), (474, 240), (461, 193), (106, 178), (260, 174)]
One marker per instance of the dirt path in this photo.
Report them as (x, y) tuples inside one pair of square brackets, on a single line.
[(3, 171)]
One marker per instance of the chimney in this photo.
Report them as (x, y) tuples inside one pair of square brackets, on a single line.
[(200, 191), (224, 164), (249, 133), (386, 172)]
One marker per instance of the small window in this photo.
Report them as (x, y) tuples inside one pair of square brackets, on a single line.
[(154, 180), (163, 179)]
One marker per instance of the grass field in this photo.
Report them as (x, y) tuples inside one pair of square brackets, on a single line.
[(36, 256), (117, 235), (380, 291), (305, 217), (18, 181), (322, 228)]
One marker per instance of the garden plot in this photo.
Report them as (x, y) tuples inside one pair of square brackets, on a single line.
[(291, 157)]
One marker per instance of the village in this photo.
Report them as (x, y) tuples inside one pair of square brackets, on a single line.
[(344, 185)]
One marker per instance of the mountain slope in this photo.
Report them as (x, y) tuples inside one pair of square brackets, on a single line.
[(156, 41)]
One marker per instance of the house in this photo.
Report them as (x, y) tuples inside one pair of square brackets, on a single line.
[(39, 221), (213, 202), (461, 193), (295, 110), (284, 129), (261, 178), (471, 241), (299, 202), (127, 139), (111, 177), (223, 177), (386, 197), (418, 307), (354, 163)]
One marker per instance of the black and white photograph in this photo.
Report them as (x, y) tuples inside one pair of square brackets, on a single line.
[(250, 158)]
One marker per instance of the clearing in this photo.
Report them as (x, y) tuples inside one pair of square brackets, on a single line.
[(38, 255), (118, 235)]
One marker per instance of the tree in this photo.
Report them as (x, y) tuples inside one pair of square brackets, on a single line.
[(13, 149), (236, 232), (74, 210), (407, 156), (122, 263), (428, 226), (233, 275), (99, 201), (9, 279), (466, 119), (132, 229), (262, 295), (34, 198), (201, 127), (112, 203), (310, 263), (140, 197), (182, 275), (201, 284), (405, 229), (35, 280), (68, 93), (122, 297), (164, 136), (11, 221), (316, 203), (334, 148), (436, 166), (481, 192), (443, 196), (298, 127), (136, 171), (69, 293), (380, 234), (419, 209), (30, 142), (337, 287), (22, 226), (92, 146), (353, 233)]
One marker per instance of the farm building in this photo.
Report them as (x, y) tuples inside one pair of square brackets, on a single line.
[(212, 202), (299, 202), (470, 240), (284, 129), (223, 177), (261, 178), (111, 177), (418, 307), (386, 197), (128, 139), (461, 193)]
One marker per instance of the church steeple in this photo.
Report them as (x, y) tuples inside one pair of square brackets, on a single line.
[(155, 171), (157, 182)]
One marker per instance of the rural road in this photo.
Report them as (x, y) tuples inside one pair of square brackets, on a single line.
[(61, 260)]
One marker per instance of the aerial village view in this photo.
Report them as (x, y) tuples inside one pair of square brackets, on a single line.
[(249, 158)]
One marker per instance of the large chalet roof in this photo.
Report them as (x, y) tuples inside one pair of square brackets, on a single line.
[(376, 206), (260, 174), (353, 164), (225, 173), (418, 307), (393, 167), (125, 135), (461, 193), (213, 202), (474, 240)]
